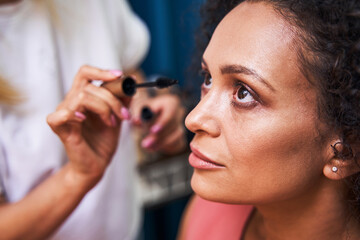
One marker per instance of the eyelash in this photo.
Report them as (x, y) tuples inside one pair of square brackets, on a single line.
[(238, 85), (206, 75)]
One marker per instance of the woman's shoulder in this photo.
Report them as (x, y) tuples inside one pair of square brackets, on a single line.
[(204, 219)]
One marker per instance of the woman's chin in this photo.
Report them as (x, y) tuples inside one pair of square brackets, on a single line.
[(209, 191), (215, 190)]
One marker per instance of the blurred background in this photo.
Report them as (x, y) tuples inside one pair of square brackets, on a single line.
[(166, 183), (172, 25)]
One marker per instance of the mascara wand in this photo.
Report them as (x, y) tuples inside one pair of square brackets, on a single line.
[(161, 82), (126, 86)]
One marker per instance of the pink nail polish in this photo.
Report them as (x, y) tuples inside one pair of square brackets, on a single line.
[(116, 73), (147, 143), (113, 120), (125, 113), (80, 115), (156, 128)]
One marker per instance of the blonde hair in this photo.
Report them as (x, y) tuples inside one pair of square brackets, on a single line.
[(8, 94)]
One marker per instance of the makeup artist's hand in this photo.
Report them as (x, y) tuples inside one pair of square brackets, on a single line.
[(167, 133), (88, 123)]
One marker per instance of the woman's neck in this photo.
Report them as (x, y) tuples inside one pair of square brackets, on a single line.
[(321, 214)]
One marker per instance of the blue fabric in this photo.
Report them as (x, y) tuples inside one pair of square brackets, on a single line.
[(172, 25)]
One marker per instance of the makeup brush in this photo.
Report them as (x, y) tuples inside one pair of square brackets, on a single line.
[(126, 86)]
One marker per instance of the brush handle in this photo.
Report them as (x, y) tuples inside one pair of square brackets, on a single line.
[(122, 87)]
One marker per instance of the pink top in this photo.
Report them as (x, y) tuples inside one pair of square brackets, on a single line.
[(214, 221)]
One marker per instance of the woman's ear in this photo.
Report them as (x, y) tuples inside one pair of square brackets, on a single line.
[(341, 162)]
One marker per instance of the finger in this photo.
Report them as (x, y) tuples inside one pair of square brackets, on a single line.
[(137, 117), (174, 148), (156, 143), (64, 116), (87, 73), (59, 120), (162, 130), (162, 119), (136, 121), (148, 142), (168, 117), (114, 103), (96, 105), (176, 138), (86, 101), (126, 102)]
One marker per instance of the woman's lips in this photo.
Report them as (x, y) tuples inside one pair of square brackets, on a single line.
[(200, 161)]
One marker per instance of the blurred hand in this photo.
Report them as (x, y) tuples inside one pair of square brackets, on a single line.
[(88, 123), (167, 132)]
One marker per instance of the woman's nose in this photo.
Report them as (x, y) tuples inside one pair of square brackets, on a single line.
[(204, 119)]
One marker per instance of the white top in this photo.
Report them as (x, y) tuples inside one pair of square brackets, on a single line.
[(42, 46)]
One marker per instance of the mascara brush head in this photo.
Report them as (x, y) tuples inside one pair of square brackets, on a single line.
[(126, 86), (160, 82), (163, 82)]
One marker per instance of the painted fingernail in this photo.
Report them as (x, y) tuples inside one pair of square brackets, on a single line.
[(147, 142), (156, 128), (113, 120), (116, 73), (125, 113), (80, 115)]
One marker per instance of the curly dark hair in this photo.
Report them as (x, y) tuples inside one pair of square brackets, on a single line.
[(329, 55)]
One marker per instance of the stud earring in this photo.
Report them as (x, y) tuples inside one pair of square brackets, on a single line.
[(334, 169)]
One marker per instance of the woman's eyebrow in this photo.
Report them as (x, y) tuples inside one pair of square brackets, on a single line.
[(237, 68)]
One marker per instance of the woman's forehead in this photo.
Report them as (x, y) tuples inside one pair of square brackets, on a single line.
[(255, 35), (253, 23)]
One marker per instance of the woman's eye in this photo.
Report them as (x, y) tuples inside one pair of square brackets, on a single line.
[(243, 95), (207, 80)]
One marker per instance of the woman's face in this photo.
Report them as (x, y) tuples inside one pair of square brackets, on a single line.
[(257, 119)]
